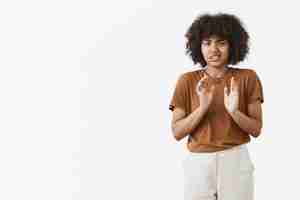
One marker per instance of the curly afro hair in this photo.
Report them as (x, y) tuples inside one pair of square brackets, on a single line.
[(225, 26)]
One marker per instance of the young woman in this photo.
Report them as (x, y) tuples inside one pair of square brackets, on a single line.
[(218, 108)]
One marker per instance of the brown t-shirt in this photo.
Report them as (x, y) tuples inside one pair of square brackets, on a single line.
[(217, 130)]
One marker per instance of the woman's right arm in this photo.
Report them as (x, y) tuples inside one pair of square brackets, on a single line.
[(182, 125)]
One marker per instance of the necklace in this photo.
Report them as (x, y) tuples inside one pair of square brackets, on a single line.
[(219, 77)]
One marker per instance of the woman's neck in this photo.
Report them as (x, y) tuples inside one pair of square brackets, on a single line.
[(216, 72)]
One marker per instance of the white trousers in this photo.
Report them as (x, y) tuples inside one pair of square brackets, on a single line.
[(222, 175)]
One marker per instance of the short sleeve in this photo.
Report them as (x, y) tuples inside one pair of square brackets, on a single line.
[(180, 94), (254, 88)]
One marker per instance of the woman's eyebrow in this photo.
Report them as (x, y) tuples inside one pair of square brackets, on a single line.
[(217, 40), (220, 40)]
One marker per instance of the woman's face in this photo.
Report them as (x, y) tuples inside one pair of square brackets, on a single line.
[(215, 51)]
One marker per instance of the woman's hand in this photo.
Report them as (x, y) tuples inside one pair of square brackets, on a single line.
[(231, 98), (205, 94)]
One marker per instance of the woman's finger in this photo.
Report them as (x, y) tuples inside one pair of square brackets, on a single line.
[(225, 91), (212, 89), (235, 85), (232, 84), (200, 83)]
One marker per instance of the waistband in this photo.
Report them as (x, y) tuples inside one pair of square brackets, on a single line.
[(235, 148)]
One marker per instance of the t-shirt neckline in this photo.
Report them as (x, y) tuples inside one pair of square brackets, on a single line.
[(218, 78)]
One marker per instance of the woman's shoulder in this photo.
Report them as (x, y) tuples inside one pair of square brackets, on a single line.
[(188, 75), (243, 72)]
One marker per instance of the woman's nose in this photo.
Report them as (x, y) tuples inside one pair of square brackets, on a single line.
[(213, 47)]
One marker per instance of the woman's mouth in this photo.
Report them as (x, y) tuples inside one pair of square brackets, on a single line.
[(214, 58)]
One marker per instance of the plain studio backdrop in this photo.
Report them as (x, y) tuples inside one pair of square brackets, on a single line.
[(85, 89)]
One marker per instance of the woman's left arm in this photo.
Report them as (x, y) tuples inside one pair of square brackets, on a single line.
[(251, 124)]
